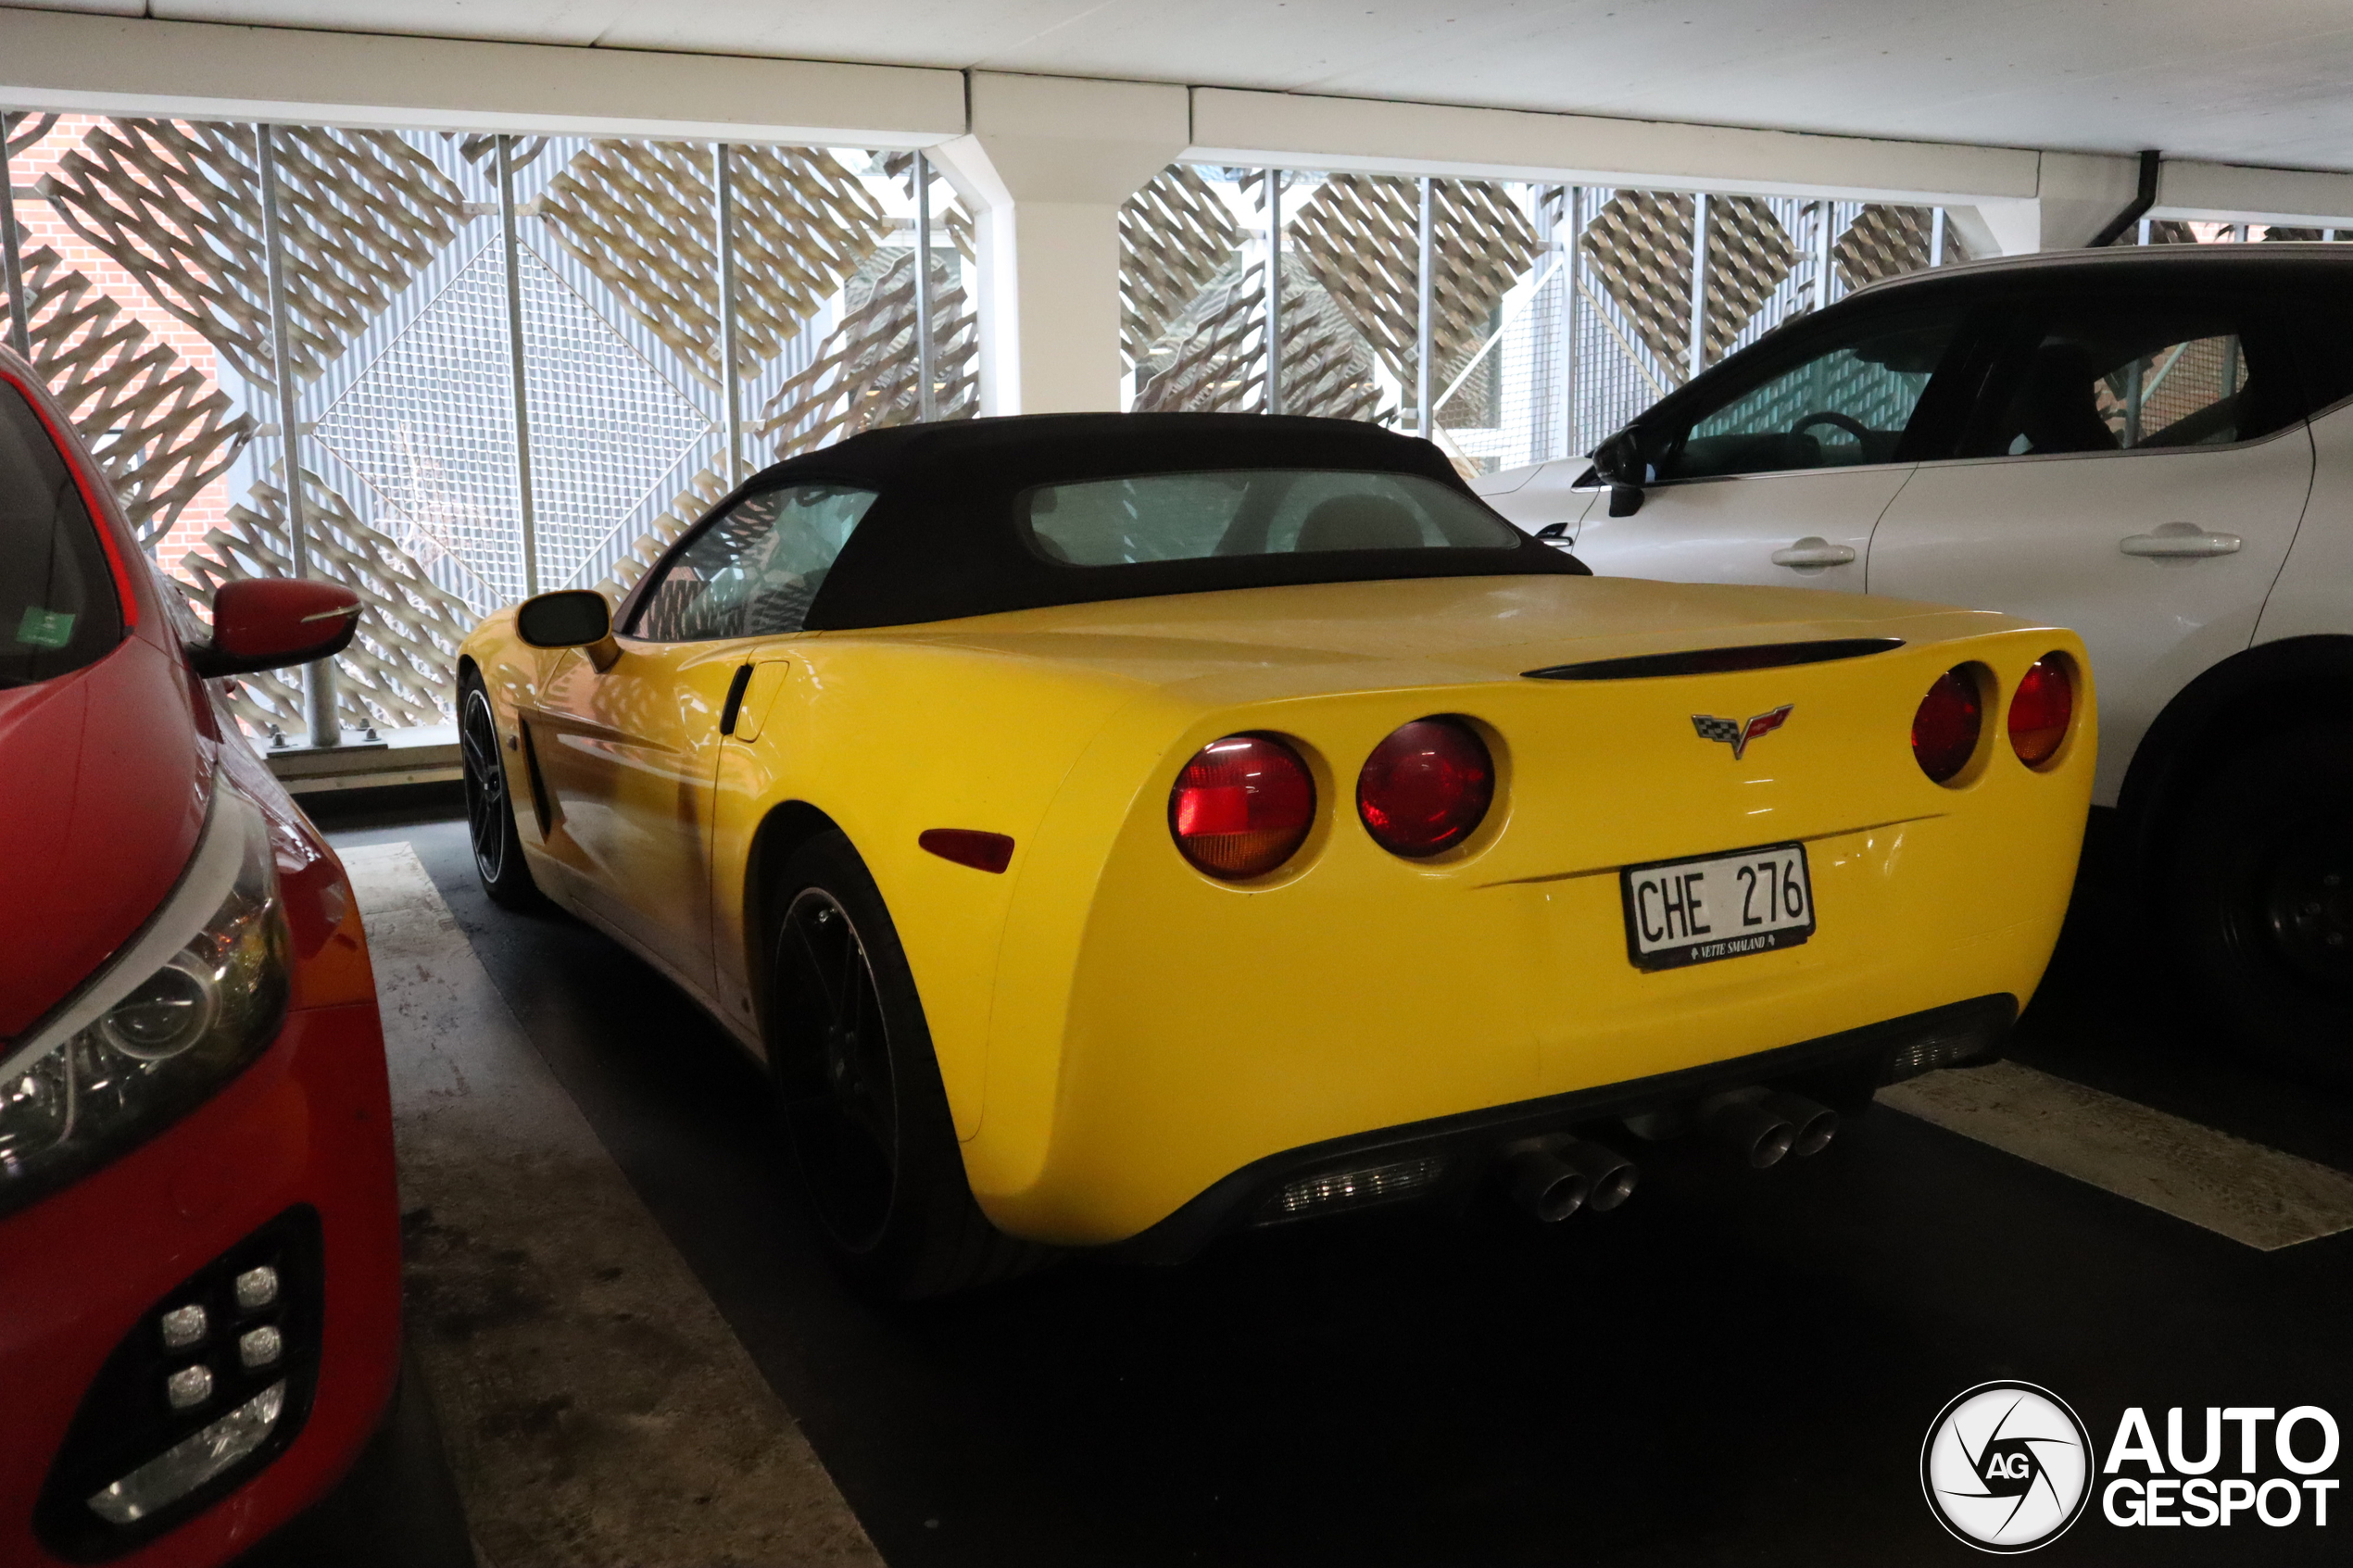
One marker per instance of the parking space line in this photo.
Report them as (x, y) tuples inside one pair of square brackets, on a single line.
[(2242, 1190), (597, 1408)]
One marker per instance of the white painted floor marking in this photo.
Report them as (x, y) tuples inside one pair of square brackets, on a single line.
[(2235, 1189), (597, 1411)]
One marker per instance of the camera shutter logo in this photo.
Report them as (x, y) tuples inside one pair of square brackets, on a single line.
[(2006, 1467)]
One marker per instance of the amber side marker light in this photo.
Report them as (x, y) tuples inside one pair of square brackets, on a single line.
[(1946, 725), (1241, 807), (969, 846), (2041, 710), (1426, 788)]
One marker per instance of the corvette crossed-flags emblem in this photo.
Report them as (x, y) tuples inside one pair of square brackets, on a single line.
[(1737, 734)]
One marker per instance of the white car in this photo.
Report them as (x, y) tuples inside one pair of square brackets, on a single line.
[(2151, 445)]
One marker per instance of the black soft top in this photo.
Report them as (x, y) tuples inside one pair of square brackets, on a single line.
[(941, 540)]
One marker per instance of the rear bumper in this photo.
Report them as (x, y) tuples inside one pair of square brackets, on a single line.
[(307, 1125), (1152, 1030), (1841, 1070)]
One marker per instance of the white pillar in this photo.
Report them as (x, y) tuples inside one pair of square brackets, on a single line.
[(2077, 194), (1046, 167)]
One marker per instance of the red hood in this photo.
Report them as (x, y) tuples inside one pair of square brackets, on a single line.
[(103, 784)]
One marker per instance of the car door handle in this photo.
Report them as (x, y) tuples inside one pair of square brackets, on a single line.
[(1813, 552), (760, 692), (735, 704), (2180, 541)]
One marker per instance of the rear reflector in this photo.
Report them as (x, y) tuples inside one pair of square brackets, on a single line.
[(1946, 724), (969, 846), (2041, 710), (1716, 662), (1354, 1189), (1241, 807), (1972, 1044)]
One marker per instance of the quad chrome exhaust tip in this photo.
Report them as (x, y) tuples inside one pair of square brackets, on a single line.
[(1552, 1178), (1766, 1126)]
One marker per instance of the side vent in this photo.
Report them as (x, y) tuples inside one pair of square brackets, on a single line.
[(1717, 661), (542, 804)]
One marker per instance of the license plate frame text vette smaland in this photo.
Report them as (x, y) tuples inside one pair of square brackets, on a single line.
[(1705, 909)]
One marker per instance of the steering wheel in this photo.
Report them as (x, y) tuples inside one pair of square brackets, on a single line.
[(1853, 427)]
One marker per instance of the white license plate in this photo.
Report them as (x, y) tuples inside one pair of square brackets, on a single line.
[(1712, 907)]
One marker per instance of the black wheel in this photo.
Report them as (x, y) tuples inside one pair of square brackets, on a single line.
[(2259, 898), (860, 1093), (490, 809)]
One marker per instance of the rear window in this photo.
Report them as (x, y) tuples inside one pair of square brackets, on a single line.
[(1252, 512), (58, 605)]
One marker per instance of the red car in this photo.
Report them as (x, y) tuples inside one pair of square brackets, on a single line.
[(199, 1236)]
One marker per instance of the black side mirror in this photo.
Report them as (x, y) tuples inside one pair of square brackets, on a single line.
[(1618, 463), (570, 618), (1553, 531)]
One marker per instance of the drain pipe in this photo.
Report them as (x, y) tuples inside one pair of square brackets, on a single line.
[(2142, 201)]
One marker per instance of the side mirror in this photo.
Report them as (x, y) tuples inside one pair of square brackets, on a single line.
[(1618, 463), (570, 618), (1552, 531), (269, 623)]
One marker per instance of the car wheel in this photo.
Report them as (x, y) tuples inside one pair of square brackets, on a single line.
[(490, 808), (2259, 898), (860, 1093)]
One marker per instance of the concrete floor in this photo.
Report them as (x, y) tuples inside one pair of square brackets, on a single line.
[(1734, 1368)]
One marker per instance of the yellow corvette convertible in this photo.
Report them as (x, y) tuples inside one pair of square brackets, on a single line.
[(1115, 830)]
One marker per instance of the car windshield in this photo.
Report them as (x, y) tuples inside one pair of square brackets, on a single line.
[(57, 606), (755, 570), (1252, 512)]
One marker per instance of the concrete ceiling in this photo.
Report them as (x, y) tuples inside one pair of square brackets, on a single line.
[(2267, 81)]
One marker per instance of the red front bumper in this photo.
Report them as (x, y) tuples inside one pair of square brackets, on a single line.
[(308, 1122)]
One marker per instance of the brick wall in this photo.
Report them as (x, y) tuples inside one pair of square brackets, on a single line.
[(40, 225)]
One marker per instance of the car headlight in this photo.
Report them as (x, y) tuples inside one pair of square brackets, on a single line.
[(198, 994)]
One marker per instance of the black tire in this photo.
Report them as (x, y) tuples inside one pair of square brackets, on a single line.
[(490, 806), (860, 1092), (2258, 892)]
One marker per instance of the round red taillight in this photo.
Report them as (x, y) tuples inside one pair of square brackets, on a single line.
[(1426, 788), (1241, 807), (2041, 710), (1946, 727)]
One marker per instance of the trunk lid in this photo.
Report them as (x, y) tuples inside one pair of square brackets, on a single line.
[(1598, 773)]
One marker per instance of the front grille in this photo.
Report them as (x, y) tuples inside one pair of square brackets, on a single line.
[(211, 1384)]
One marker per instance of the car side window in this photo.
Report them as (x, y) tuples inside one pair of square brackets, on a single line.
[(1848, 403), (2113, 376), (2321, 333), (754, 571)]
